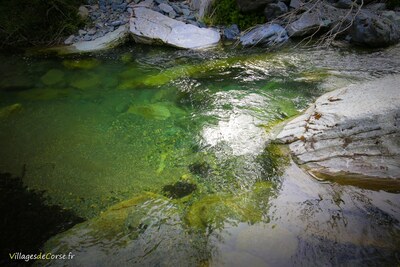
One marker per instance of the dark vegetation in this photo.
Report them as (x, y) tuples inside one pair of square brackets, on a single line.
[(391, 4), (37, 22), (26, 222), (226, 12)]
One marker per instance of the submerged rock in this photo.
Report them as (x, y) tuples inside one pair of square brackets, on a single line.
[(150, 27), (353, 132), (214, 210), (179, 189), (265, 35), (155, 111), (5, 112), (52, 77), (84, 64), (144, 231), (44, 93)]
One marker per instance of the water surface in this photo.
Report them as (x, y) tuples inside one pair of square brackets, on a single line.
[(131, 124)]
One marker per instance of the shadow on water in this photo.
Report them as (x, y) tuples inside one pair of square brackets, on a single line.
[(26, 222)]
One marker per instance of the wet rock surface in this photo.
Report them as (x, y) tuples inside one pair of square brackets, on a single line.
[(353, 131)]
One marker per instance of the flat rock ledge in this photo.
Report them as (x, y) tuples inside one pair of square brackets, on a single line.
[(151, 27), (108, 41), (350, 132)]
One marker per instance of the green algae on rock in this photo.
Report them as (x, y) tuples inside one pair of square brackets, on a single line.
[(47, 93), (213, 211), (7, 111), (130, 229), (83, 64), (52, 77), (86, 81), (156, 111)]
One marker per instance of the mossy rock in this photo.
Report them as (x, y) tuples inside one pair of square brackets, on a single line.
[(151, 111), (84, 64), (52, 77), (216, 210), (108, 224), (126, 57), (146, 229), (274, 160), (86, 81), (7, 111), (313, 75), (156, 111), (179, 189), (44, 93)]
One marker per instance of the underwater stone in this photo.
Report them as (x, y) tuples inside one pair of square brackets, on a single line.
[(215, 210), (202, 169), (9, 110), (146, 229), (43, 93), (179, 189), (52, 77), (81, 63), (151, 111), (86, 82)]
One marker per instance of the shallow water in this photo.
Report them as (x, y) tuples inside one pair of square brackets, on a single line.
[(95, 130)]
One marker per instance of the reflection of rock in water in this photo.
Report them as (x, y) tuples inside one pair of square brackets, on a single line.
[(336, 224), (26, 221)]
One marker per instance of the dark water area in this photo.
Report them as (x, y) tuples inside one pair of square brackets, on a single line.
[(26, 222), (166, 156)]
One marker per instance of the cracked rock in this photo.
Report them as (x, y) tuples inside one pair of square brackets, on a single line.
[(353, 131)]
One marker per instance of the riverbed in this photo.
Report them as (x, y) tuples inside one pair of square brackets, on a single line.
[(183, 139)]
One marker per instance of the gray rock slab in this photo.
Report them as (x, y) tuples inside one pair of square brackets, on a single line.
[(351, 131), (264, 35), (149, 26)]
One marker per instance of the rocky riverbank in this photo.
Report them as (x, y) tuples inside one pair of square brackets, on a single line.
[(152, 21), (106, 16), (353, 132)]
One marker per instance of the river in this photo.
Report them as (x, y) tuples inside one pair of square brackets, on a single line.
[(182, 138)]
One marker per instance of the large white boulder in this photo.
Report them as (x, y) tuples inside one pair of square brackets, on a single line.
[(150, 27), (353, 131)]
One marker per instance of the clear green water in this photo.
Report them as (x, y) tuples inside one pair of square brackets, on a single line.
[(96, 130)]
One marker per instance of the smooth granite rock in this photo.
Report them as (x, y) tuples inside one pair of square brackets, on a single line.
[(264, 35), (353, 131), (150, 27)]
